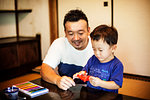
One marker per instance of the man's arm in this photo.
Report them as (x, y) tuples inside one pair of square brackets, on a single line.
[(49, 75)]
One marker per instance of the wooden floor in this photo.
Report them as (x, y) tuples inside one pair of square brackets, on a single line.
[(131, 87)]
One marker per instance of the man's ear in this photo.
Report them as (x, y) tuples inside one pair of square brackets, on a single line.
[(89, 31), (65, 32)]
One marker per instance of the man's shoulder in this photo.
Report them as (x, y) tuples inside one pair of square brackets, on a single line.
[(59, 41)]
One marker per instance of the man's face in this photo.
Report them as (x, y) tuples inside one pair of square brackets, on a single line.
[(77, 34)]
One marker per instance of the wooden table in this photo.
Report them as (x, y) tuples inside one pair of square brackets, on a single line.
[(79, 92)]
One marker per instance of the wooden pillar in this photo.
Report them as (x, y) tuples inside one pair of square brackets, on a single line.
[(53, 15), (16, 18), (112, 13)]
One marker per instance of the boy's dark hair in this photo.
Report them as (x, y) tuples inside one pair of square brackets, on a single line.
[(109, 34), (75, 15)]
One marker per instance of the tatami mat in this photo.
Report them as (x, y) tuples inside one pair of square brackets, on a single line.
[(136, 88), (27, 77)]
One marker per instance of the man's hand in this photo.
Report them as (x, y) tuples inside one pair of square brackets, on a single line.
[(65, 82), (49, 75)]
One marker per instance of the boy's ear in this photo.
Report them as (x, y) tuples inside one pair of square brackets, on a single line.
[(114, 47)]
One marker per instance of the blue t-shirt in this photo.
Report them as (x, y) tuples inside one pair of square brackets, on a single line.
[(109, 71)]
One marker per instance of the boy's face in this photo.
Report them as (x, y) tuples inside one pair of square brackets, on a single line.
[(77, 34), (103, 51)]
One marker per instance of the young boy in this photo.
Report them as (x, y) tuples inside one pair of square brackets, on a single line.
[(105, 69)]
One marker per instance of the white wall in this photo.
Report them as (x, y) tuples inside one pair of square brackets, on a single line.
[(35, 22), (29, 23), (131, 18), (7, 20), (97, 14)]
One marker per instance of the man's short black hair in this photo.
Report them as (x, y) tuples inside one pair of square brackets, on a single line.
[(75, 15), (109, 34)]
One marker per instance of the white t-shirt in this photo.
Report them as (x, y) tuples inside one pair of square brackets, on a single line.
[(62, 51)]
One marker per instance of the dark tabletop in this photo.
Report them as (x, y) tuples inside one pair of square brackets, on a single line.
[(79, 92)]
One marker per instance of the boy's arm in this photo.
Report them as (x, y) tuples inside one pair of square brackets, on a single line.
[(95, 81), (49, 75)]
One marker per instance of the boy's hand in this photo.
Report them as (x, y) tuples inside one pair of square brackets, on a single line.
[(95, 81), (82, 75), (79, 73)]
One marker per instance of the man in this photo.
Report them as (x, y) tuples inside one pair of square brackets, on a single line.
[(69, 53)]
